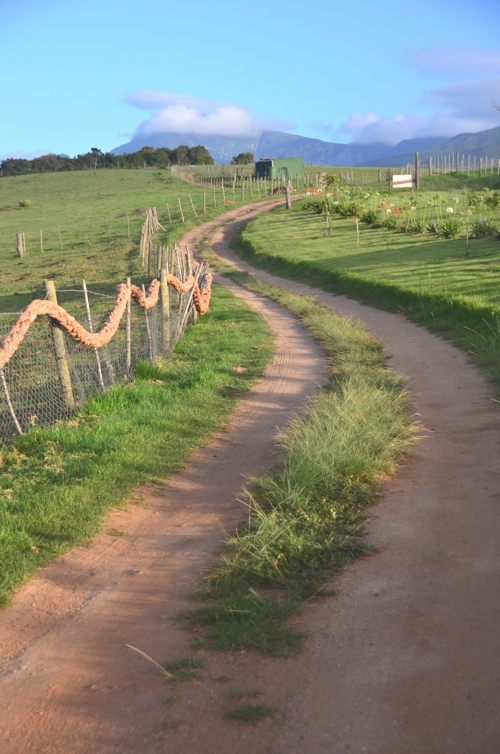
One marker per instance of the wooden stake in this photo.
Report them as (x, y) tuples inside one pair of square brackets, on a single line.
[(60, 353), (41, 241), (180, 207), (148, 328), (19, 245), (165, 310), (192, 205)]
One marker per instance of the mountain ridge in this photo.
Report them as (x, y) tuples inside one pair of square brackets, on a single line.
[(279, 144)]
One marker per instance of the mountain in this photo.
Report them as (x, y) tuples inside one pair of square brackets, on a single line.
[(481, 144), (277, 144)]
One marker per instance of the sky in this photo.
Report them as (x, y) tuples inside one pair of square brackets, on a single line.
[(77, 75)]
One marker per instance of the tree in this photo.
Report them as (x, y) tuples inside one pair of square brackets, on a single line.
[(244, 158)]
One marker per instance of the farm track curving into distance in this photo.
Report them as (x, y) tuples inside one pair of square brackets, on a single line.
[(403, 660)]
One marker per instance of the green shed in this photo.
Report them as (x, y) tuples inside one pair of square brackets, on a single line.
[(290, 167)]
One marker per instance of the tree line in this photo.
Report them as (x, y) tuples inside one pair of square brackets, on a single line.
[(97, 160)]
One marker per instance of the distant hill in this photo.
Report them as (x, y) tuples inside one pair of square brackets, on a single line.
[(481, 144), (278, 144)]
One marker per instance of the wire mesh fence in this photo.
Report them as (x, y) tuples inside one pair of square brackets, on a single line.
[(51, 375)]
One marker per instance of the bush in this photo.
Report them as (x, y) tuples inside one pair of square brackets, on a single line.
[(417, 225), (25, 203), (390, 223), (482, 228), (370, 217), (450, 228)]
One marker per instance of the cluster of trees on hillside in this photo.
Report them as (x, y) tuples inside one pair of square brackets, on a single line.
[(244, 158), (97, 160)]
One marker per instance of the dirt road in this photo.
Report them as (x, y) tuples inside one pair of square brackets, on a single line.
[(404, 659)]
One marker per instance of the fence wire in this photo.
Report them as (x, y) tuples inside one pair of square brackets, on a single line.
[(31, 393)]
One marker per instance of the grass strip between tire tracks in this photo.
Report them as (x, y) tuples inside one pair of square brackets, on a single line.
[(305, 520), (57, 484)]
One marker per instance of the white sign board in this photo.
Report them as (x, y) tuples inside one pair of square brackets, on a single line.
[(404, 181)]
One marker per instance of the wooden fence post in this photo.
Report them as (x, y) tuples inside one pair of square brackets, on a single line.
[(204, 202), (60, 353), (180, 207), (288, 196), (19, 245), (417, 170), (165, 310)]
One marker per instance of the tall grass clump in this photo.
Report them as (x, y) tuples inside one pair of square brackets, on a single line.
[(305, 520)]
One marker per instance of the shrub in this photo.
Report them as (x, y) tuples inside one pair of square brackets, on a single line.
[(483, 227), (432, 228), (370, 217), (389, 222), (417, 225), (451, 227), (24, 203)]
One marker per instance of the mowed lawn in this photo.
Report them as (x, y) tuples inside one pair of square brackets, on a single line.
[(451, 289)]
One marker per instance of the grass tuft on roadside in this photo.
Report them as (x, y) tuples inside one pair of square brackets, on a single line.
[(305, 520), (250, 714), (57, 484)]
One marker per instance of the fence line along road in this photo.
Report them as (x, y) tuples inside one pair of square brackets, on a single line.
[(51, 361)]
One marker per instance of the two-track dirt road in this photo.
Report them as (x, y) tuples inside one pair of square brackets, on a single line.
[(403, 660)]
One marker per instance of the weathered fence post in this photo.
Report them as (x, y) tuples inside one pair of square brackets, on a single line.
[(180, 207), (204, 202), (148, 328), (60, 353), (128, 343), (19, 245), (165, 310), (288, 196), (417, 170)]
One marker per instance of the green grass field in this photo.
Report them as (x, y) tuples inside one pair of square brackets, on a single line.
[(85, 205), (452, 289)]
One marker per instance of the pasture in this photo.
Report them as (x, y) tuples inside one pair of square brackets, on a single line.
[(452, 285)]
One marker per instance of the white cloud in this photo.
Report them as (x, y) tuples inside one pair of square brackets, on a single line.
[(460, 108), (181, 113)]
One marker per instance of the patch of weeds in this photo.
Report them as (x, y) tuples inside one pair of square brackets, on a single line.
[(247, 620), (118, 533), (250, 714), (171, 699), (184, 669)]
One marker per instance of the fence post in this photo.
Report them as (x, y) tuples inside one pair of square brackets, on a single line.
[(128, 349), (180, 207), (417, 170), (165, 310), (19, 244), (204, 202), (60, 352), (288, 196)]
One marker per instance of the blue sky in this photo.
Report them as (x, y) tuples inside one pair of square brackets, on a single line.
[(82, 74)]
